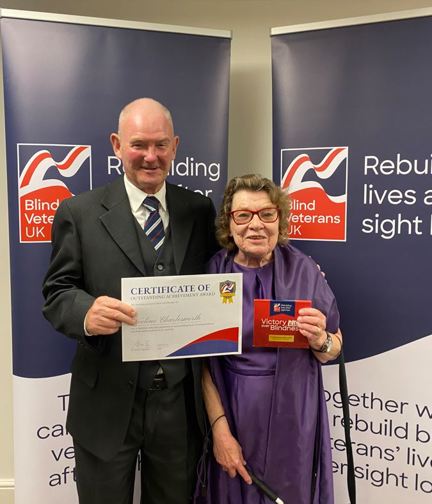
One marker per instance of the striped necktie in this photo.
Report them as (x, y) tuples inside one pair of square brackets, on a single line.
[(153, 226)]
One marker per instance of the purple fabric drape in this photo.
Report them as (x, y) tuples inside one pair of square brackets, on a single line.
[(279, 416)]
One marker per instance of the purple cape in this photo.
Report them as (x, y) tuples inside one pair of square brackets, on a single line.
[(295, 426)]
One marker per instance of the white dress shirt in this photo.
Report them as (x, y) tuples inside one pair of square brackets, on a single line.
[(139, 211)]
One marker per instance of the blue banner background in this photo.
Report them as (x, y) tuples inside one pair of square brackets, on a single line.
[(66, 84), (366, 87)]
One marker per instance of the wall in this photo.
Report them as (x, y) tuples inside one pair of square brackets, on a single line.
[(250, 110)]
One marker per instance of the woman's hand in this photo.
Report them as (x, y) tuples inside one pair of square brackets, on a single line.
[(228, 452), (226, 449), (312, 323)]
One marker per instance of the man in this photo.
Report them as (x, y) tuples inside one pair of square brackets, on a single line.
[(118, 409)]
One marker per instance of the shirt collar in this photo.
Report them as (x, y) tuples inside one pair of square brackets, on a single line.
[(136, 196)]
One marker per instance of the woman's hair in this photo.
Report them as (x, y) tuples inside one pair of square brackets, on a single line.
[(252, 183)]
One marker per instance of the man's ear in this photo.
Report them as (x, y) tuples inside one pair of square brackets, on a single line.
[(115, 142), (176, 142)]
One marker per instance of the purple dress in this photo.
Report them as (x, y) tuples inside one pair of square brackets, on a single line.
[(274, 398)]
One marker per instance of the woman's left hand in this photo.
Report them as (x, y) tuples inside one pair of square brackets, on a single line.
[(312, 323)]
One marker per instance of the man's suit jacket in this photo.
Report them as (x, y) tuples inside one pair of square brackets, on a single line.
[(95, 244)]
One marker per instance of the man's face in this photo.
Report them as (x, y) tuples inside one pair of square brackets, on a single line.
[(146, 145)]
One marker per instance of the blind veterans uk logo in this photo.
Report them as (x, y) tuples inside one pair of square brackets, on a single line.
[(316, 181), (48, 174)]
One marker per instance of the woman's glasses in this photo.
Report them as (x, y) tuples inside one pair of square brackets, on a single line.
[(266, 215)]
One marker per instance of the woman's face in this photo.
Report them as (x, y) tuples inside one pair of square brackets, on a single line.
[(255, 240)]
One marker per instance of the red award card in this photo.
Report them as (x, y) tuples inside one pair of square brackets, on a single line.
[(275, 323)]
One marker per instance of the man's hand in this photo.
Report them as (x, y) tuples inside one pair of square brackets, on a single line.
[(106, 315)]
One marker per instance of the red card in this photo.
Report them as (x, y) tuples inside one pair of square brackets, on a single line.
[(275, 323)]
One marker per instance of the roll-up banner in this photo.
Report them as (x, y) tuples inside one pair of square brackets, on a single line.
[(65, 81), (352, 125)]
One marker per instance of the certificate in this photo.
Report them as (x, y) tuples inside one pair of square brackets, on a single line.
[(183, 316)]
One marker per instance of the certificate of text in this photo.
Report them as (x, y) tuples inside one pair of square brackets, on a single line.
[(183, 316)]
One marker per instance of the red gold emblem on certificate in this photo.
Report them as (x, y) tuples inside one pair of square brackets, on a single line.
[(227, 291)]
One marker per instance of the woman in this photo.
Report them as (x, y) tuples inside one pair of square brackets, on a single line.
[(266, 406)]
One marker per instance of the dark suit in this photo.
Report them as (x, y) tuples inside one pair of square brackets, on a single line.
[(94, 245)]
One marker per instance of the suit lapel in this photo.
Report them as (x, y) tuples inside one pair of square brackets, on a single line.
[(181, 224), (119, 222)]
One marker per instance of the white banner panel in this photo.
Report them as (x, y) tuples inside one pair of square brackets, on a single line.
[(66, 78), (352, 122)]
